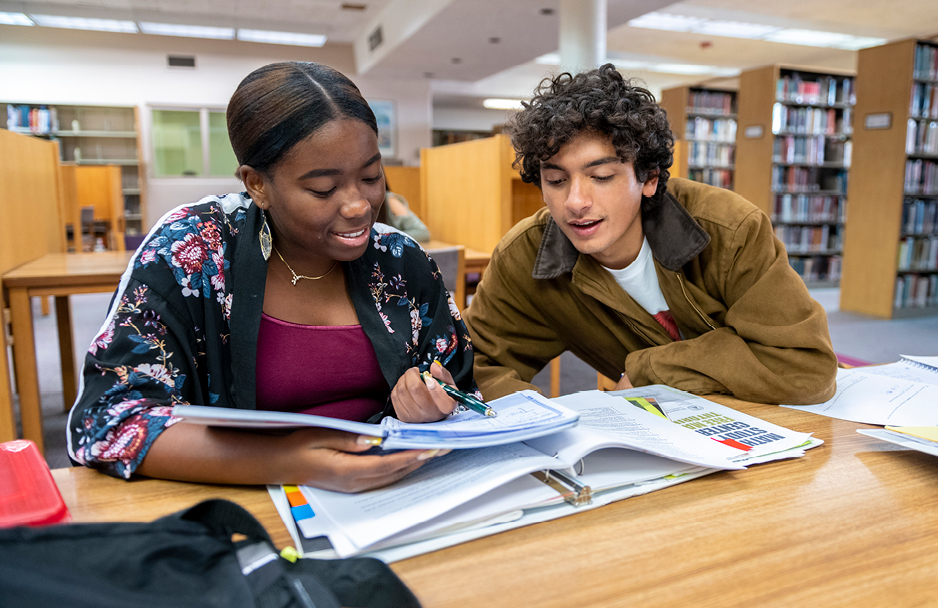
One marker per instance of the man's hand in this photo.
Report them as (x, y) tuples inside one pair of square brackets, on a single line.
[(624, 382)]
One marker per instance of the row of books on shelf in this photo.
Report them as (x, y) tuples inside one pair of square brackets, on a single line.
[(924, 103), (918, 253), (921, 176), (916, 291), (715, 129), (802, 88), (810, 121), (926, 62), (920, 217), (809, 239), (815, 150), (42, 119), (705, 153), (922, 137), (817, 269), (809, 208), (808, 179), (721, 178), (710, 102)]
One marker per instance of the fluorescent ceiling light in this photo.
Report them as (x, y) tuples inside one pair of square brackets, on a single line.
[(807, 37), (502, 104), (282, 37), (15, 19), (80, 23), (189, 31), (860, 42), (753, 31), (667, 21), (735, 29)]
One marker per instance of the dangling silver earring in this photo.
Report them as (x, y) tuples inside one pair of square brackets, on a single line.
[(264, 236)]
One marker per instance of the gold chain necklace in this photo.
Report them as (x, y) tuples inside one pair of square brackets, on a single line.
[(297, 277)]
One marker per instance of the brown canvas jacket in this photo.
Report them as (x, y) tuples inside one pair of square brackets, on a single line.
[(750, 327)]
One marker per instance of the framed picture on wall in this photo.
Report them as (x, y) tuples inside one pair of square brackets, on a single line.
[(387, 126)]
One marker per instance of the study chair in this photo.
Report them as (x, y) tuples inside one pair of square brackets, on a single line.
[(452, 263)]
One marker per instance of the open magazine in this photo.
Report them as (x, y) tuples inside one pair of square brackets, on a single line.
[(523, 415), (619, 449)]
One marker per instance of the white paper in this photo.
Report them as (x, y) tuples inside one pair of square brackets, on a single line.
[(873, 399), (435, 488)]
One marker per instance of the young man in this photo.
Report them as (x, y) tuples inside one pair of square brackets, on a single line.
[(650, 281)]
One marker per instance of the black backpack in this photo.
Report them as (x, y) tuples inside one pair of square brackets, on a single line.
[(181, 560)]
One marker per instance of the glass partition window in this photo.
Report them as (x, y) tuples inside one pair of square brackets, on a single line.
[(177, 143), (191, 143), (222, 161)]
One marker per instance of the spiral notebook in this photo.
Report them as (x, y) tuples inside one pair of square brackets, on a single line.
[(908, 367)]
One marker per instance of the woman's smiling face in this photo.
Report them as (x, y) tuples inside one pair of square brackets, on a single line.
[(324, 196)]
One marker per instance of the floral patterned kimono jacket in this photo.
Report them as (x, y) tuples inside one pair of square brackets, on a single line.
[(183, 326)]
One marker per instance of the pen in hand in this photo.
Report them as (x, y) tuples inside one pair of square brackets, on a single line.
[(463, 398)]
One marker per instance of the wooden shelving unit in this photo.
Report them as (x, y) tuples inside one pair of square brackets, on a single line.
[(91, 135), (891, 255), (704, 124), (793, 153)]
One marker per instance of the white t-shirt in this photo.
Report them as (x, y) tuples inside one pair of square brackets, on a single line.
[(640, 281)]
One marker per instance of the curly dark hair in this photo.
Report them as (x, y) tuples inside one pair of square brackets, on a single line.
[(599, 100)]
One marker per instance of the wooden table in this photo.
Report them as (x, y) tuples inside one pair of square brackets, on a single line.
[(59, 275), (852, 523)]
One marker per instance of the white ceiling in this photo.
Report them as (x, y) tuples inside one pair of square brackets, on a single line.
[(449, 41)]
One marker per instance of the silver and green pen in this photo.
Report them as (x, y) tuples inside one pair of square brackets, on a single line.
[(463, 398)]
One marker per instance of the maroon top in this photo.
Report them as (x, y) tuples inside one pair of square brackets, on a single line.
[(327, 371)]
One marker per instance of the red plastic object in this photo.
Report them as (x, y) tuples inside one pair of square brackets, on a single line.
[(28, 494)]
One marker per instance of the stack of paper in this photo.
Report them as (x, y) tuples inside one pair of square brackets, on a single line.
[(619, 449), (921, 438)]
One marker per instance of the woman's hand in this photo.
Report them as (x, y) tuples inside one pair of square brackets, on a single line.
[(323, 458), (416, 400), (329, 461)]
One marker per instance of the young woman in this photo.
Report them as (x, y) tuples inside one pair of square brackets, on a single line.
[(285, 297)]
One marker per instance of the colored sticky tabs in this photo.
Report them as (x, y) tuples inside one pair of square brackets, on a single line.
[(299, 507)]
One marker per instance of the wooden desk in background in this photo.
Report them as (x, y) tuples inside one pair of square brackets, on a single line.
[(853, 522), (59, 275)]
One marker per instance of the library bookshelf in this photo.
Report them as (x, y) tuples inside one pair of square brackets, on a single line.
[(91, 135), (704, 124), (891, 255), (793, 152)]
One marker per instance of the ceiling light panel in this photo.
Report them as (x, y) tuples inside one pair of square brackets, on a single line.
[(81, 23), (808, 37), (734, 29), (188, 31), (667, 21), (502, 104), (282, 37), (15, 19)]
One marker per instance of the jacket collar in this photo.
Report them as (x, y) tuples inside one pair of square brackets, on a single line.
[(674, 236)]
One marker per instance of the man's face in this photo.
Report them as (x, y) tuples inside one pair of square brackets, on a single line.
[(595, 199)]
